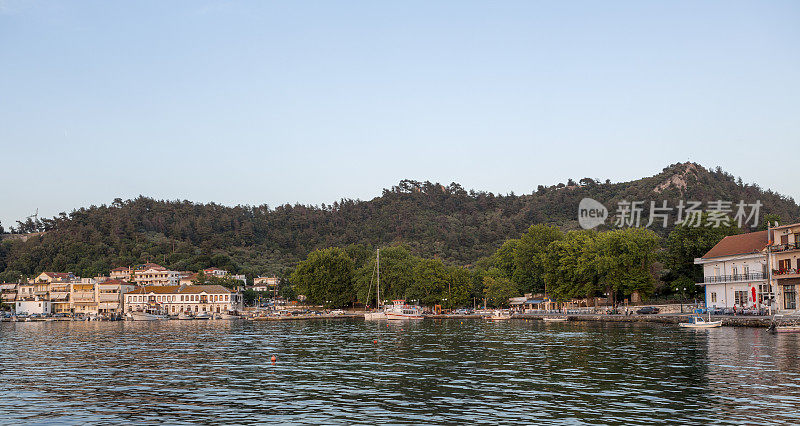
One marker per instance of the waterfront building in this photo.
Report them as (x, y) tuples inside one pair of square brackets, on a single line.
[(195, 299), (784, 259), (109, 296), (735, 273), (8, 294)]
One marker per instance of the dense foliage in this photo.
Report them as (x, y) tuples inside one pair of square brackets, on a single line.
[(431, 221)]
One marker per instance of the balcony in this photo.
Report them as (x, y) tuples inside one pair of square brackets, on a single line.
[(786, 273), (753, 276), (777, 248)]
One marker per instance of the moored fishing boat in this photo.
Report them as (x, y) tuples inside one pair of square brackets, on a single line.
[(402, 311), (145, 316), (699, 322), (554, 319), (499, 315)]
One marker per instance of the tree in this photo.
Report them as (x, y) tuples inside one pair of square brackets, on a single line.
[(430, 282), (498, 290), (769, 220), (625, 259), (397, 275), (683, 245), (528, 256), (325, 277), (571, 266)]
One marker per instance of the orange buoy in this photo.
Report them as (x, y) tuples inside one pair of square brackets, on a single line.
[(274, 358), (375, 341)]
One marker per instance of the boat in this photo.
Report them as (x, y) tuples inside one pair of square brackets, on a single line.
[(203, 316), (699, 322), (227, 316), (402, 311), (554, 319), (184, 316), (782, 324), (145, 316), (499, 315), (379, 314), (785, 329)]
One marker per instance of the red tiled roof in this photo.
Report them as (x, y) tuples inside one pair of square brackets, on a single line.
[(121, 268), (752, 242)]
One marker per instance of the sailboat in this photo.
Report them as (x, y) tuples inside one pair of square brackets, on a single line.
[(379, 314)]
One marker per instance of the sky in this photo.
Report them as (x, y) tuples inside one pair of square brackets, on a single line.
[(264, 102)]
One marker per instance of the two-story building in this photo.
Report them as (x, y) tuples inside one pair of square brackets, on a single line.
[(735, 273), (172, 300), (784, 257)]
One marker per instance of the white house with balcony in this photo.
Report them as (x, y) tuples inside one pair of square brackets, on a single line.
[(735, 273)]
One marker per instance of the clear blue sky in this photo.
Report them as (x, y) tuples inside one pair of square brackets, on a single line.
[(298, 101)]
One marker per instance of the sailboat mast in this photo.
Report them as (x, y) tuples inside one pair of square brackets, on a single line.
[(379, 279)]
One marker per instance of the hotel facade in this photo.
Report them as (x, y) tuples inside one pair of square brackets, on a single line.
[(193, 299)]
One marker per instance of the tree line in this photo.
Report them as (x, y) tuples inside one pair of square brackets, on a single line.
[(545, 260)]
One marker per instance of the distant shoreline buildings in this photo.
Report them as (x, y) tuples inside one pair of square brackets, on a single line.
[(149, 286)]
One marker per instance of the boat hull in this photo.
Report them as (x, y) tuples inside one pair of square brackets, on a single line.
[(711, 324), (140, 316), (554, 319), (375, 316), (397, 316)]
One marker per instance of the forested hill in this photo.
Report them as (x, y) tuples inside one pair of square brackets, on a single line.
[(448, 222)]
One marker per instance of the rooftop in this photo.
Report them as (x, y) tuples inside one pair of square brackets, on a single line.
[(750, 243)]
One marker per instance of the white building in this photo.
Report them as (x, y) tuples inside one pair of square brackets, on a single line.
[(735, 273), (32, 306), (185, 298)]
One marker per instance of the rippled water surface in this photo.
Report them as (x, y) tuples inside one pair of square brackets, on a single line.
[(428, 372)]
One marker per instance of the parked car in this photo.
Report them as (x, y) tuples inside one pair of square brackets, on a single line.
[(647, 310)]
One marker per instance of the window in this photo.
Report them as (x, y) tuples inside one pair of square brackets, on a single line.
[(740, 297), (789, 297), (182, 298), (765, 294), (713, 297), (735, 271)]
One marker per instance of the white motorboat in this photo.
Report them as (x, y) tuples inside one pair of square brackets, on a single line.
[(227, 316), (145, 316), (203, 316), (379, 314), (184, 316), (554, 319), (499, 315), (699, 322), (784, 324), (401, 311)]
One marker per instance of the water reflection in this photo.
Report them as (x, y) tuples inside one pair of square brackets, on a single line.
[(421, 372)]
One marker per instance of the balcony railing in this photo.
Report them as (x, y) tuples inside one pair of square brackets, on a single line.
[(734, 278), (784, 247), (791, 271)]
